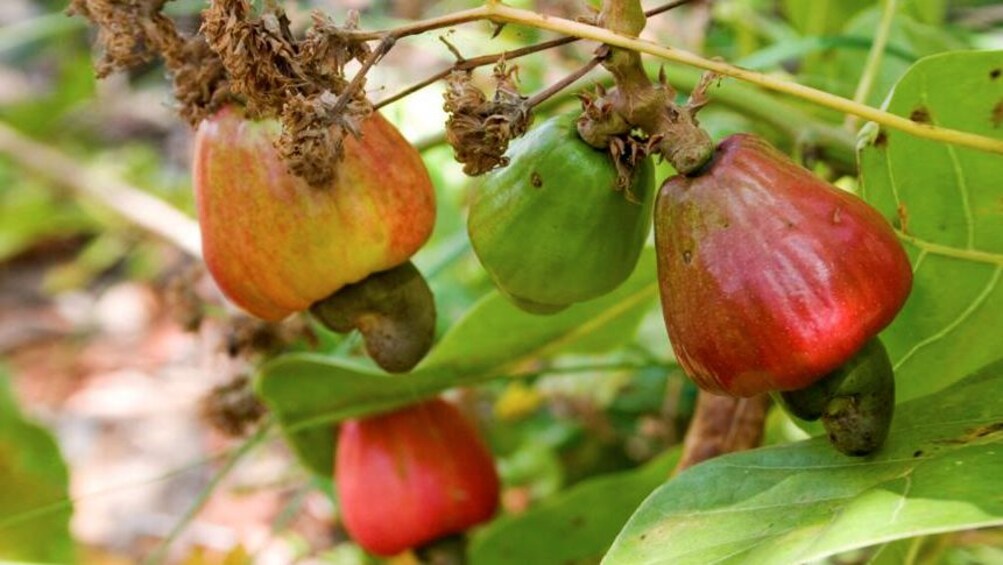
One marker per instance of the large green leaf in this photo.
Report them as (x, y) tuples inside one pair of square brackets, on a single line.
[(946, 203), (579, 524), (939, 471), (34, 505), (494, 333), (308, 392)]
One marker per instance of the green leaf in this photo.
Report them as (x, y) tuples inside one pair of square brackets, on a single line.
[(34, 505), (907, 37), (799, 502), (945, 202), (821, 17), (578, 524), (308, 393), (494, 332)]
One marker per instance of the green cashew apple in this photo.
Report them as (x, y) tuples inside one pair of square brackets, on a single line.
[(274, 244), (551, 228)]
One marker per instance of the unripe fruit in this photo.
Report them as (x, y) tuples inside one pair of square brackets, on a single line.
[(409, 477), (855, 402), (770, 277), (551, 228), (276, 245)]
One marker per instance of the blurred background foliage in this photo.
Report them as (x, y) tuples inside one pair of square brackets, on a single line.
[(576, 430)]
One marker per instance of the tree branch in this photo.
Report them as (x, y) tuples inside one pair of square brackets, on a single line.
[(140, 208)]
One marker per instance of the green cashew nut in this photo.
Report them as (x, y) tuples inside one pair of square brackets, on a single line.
[(855, 402)]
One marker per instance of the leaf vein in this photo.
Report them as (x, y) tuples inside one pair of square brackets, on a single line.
[(978, 301)]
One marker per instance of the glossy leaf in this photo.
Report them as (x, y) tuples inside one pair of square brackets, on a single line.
[(944, 201), (804, 501), (567, 528), (34, 506)]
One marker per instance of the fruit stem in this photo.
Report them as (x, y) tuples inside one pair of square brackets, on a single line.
[(636, 102)]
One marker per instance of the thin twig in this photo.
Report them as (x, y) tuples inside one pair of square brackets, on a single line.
[(484, 60), (139, 207), (385, 45), (468, 64), (501, 13), (563, 83)]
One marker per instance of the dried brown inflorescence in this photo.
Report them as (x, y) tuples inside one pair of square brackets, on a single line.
[(300, 81), (251, 58), (135, 32), (601, 126), (479, 129)]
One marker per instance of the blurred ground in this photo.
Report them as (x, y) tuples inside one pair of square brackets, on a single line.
[(111, 372)]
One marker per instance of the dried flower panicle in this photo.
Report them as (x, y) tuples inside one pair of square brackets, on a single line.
[(299, 81), (602, 127), (135, 32), (254, 56), (124, 31), (479, 129), (233, 408)]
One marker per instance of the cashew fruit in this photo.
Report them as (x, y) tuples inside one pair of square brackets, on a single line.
[(409, 477), (276, 245), (770, 277), (551, 228)]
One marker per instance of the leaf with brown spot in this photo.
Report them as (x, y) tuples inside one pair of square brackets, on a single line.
[(921, 115), (997, 114)]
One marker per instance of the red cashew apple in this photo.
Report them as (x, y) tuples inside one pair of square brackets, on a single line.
[(409, 477), (770, 277), (274, 244)]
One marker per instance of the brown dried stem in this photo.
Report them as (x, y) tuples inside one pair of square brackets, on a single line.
[(565, 82), (720, 425)]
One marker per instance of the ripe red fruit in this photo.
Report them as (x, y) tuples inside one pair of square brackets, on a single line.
[(770, 277), (412, 476), (276, 245)]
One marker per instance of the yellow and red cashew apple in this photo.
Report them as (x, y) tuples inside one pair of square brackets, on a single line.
[(275, 244)]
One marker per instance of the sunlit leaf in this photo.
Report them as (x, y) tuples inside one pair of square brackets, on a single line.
[(800, 502), (575, 525), (946, 203)]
